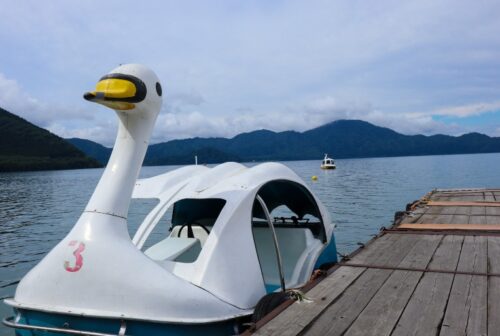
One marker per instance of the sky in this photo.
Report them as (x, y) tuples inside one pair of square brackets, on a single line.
[(226, 67)]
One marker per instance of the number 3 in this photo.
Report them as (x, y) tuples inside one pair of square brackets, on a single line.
[(78, 256)]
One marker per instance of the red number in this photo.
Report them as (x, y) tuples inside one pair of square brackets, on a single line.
[(78, 255)]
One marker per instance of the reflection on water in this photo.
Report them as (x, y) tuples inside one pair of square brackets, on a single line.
[(37, 209)]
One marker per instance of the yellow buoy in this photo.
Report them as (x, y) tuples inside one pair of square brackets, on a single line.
[(314, 178)]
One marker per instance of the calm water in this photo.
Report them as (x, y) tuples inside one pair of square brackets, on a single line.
[(38, 209)]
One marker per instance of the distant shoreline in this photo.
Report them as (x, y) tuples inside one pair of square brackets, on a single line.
[(253, 162)]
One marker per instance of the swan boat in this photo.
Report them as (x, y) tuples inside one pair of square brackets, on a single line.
[(328, 163), (236, 234)]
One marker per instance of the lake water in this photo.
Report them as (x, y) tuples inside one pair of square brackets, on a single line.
[(37, 209)]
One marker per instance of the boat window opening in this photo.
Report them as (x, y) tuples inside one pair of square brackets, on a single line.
[(138, 210), (189, 224), (160, 230), (290, 205), (298, 227)]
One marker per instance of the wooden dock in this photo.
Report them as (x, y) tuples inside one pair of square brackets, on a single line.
[(436, 271)]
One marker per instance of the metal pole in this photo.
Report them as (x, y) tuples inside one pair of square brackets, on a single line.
[(276, 245)]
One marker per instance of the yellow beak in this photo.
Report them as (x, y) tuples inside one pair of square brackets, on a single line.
[(118, 92)]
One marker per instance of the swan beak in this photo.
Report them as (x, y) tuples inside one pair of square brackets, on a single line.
[(118, 91)]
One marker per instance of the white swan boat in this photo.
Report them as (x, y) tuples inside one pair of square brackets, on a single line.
[(328, 163), (237, 234)]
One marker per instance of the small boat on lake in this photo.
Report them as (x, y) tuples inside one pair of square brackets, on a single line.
[(236, 235), (328, 163)]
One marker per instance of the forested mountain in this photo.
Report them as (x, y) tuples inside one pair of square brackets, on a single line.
[(340, 139), (92, 149), (24, 146)]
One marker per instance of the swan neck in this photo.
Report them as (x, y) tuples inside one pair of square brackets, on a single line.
[(114, 190)]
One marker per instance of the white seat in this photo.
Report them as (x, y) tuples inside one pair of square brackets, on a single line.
[(296, 247), (198, 232), (170, 248)]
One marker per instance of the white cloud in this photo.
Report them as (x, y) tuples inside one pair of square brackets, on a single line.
[(15, 100), (100, 134), (467, 110), (312, 114)]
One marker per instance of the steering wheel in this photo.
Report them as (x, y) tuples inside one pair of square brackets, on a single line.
[(190, 232)]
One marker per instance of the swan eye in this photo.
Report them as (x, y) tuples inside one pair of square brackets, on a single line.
[(158, 89)]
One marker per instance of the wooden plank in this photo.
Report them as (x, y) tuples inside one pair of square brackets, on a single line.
[(463, 197), (466, 313), (494, 286), (461, 194), (466, 191), (429, 212), (493, 220), (492, 211), (425, 309), (296, 317), (461, 210), (479, 197), (438, 219), (451, 210), (477, 220), (339, 316), (460, 219), (433, 210), (461, 203), (411, 219), (438, 226), (376, 251), (414, 216), (489, 196), (478, 211), (384, 310)]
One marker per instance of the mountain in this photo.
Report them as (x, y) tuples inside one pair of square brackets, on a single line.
[(92, 149), (355, 138), (340, 139), (24, 146)]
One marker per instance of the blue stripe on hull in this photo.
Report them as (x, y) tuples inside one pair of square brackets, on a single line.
[(112, 326), (329, 254)]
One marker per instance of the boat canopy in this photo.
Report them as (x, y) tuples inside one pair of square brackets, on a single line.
[(224, 199)]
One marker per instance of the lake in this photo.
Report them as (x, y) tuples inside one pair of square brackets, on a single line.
[(37, 209)]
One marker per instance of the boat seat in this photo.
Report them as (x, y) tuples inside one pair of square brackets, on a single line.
[(175, 249), (199, 233), (296, 246)]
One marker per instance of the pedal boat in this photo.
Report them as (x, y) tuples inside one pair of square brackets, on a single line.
[(328, 163), (236, 234)]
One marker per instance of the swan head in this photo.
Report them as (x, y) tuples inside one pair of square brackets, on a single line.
[(130, 88)]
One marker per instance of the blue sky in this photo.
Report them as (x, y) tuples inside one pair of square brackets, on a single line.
[(234, 66)]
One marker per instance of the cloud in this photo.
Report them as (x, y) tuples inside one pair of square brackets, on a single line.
[(180, 101), (14, 99), (103, 133), (300, 118), (467, 110)]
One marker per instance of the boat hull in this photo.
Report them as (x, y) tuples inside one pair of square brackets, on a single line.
[(328, 167), (42, 323)]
